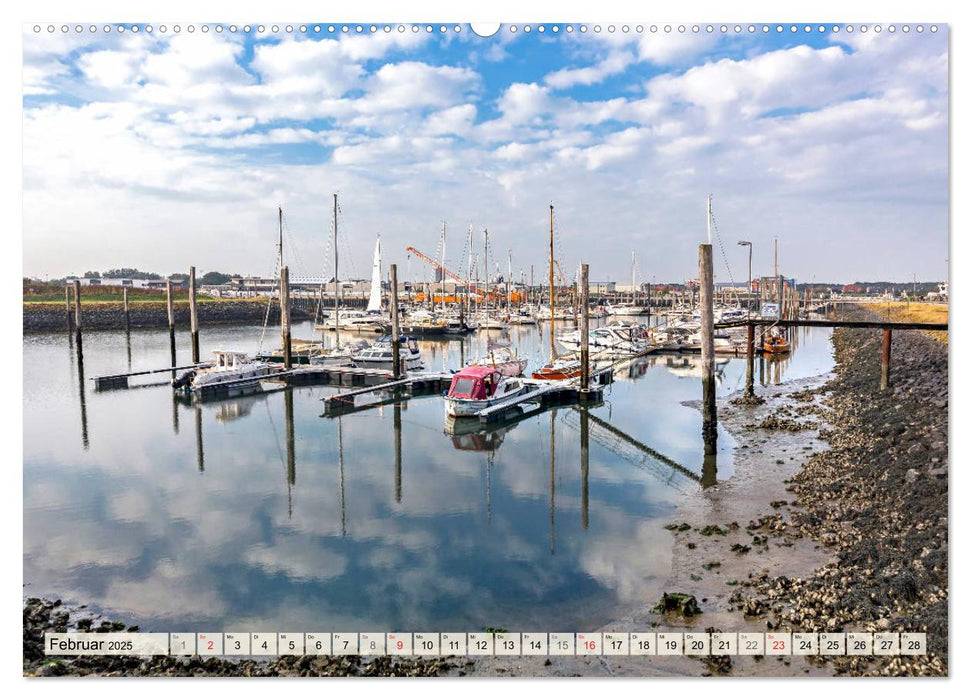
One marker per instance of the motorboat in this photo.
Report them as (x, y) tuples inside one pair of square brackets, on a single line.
[(624, 309), (476, 388), (559, 369), (380, 354), (487, 321), (775, 345), (230, 372), (354, 320), (612, 340), (522, 317)]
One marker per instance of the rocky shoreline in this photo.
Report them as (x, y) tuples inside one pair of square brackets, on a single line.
[(102, 316), (877, 500), (835, 520)]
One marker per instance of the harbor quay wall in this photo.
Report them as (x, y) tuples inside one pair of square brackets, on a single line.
[(102, 316)]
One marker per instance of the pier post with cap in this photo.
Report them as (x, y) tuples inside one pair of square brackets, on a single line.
[(584, 327), (395, 329), (285, 316), (77, 307)]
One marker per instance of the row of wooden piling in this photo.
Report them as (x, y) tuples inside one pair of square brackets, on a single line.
[(74, 320)]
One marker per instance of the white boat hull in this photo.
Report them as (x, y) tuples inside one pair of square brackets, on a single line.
[(469, 407)]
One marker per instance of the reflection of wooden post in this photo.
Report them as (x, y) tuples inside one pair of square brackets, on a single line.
[(584, 327), (397, 452), (750, 360), (125, 302), (885, 361), (285, 315), (395, 330), (81, 391), (584, 467), (200, 456), (709, 429), (193, 319), (77, 306), (288, 428)]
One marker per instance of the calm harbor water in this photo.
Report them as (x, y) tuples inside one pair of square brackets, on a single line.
[(259, 513)]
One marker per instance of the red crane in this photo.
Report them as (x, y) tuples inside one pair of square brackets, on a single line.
[(445, 271)]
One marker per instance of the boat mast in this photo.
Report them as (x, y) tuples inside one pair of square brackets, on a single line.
[(467, 302), (337, 287), (508, 282), (486, 267), (443, 268), (280, 219), (552, 309)]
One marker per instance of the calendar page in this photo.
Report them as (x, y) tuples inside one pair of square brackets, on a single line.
[(613, 347)]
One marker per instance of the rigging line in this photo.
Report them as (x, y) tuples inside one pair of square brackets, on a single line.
[(269, 302), (728, 267), (345, 239)]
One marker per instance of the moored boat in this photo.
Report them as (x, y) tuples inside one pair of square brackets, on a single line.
[(562, 368), (476, 388), (229, 372), (380, 354), (775, 345)]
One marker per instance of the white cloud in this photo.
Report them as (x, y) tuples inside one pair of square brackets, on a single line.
[(615, 62), (166, 120)]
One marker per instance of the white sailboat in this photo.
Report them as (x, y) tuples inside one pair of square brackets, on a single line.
[(337, 355), (374, 300)]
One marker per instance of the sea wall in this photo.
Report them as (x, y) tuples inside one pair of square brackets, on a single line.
[(111, 315)]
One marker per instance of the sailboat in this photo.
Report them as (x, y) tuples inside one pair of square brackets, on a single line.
[(561, 368), (374, 300), (337, 355)]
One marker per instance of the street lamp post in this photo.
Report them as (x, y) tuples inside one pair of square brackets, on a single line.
[(749, 244)]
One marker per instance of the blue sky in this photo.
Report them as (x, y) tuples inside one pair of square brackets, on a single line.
[(168, 150)]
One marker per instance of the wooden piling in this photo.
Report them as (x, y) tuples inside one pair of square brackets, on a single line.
[(193, 319), (67, 306), (750, 360), (709, 429), (285, 315), (168, 304), (395, 328), (885, 360), (125, 302), (584, 327), (77, 306)]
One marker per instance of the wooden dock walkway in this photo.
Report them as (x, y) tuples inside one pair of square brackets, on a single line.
[(120, 381), (420, 383)]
